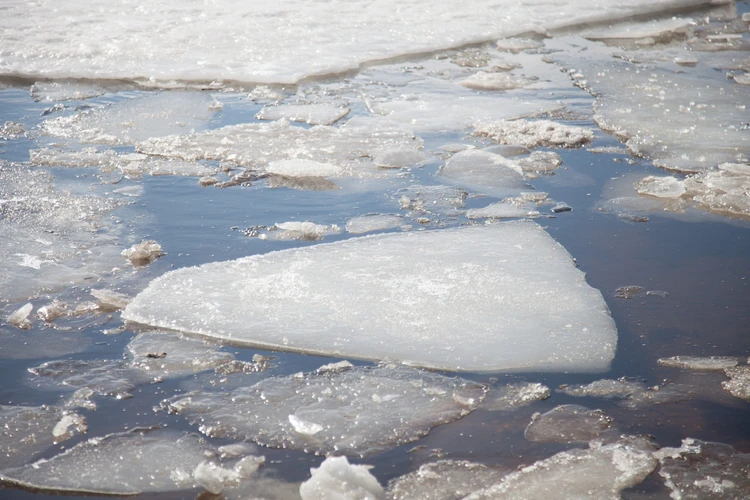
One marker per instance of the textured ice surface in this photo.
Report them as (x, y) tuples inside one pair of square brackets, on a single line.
[(312, 114), (661, 187), (605, 388), (444, 480), (512, 396), (482, 80), (64, 91), (28, 430), (642, 33), (540, 162), (48, 237), (104, 377), (702, 470), (307, 231), (500, 297), (597, 472), (19, 317), (258, 144), (373, 222), (518, 44), (633, 394), (337, 479), (738, 384), (131, 120), (356, 412), (503, 210), (535, 133), (484, 172), (170, 355), (431, 199), (696, 363), (261, 42), (117, 464), (302, 168), (567, 424)]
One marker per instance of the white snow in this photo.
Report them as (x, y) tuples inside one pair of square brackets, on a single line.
[(337, 479), (432, 299)]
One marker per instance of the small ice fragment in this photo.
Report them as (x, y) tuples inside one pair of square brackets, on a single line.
[(132, 191), (338, 367), (304, 427), (657, 293), (70, 424), (516, 45), (605, 388), (303, 168), (431, 199), (494, 81), (336, 478), (567, 424), (236, 450), (738, 384), (214, 478), (561, 207), (208, 180), (110, 299), (143, 253), (399, 158), (373, 222), (695, 363), (165, 354), (502, 210), (444, 480), (19, 318), (12, 130), (52, 311), (657, 395), (536, 133), (247, 466), (687, 61), (742, 78), (306, 231), (514, 396), (543, 162), (484, 172), (660, 187), (628, 292)]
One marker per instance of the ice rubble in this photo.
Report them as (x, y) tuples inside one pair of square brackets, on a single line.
[(312, 114), (534, 133), (356, 412), (444, 480), (118, 464), (136, 119), (512, 396), (374, 222), (601, 471), (258, 144), (705, 470), (568, 424), (738, 384), (432, 299), (484, 172), (696, 363), (263, 42), (337, 479), (48, 237)]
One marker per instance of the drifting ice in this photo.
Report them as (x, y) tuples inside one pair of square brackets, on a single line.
[(503, 297)]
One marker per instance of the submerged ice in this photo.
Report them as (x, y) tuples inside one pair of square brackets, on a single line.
[(478, 299)]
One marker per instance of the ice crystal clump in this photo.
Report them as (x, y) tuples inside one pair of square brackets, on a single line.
[(316, 299), (531, 134), (337, 478), (567, 424), (117, 464), (358, 412), (605, 388), (484, 172), (143, 253), (540, 162), (312, 114), (444, 480)]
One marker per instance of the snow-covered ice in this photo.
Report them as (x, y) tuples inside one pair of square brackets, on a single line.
[(306, 231), (337, 479), (534, 133), (358, 411), (430, 299), (568, 424)]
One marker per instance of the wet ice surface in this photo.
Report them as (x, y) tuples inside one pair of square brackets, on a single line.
[(356, 412), (444, 480), (568, 424), (319, 299)]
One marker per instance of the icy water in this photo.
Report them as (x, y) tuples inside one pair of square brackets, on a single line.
[(488, 176)]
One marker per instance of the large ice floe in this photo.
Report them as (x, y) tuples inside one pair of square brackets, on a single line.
[(262, 42), (499, 297), (356, 411)]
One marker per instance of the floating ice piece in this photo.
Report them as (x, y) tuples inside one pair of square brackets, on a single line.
[(303, 168), (170, 355), (111, 299), (512, 396), (567, 424), (337, 479), (117, 464), (26, 431), (605, 388), (373, 222), (657, 395), (19, 318), (132, 191), (69, 424), (64, 91), (484, 172), (661, 187), (348, 299), (739, 383), (312, 114), (536, 133), (301, 183), (516, 45), (560, 208), (307, 231), (357, 412), (661, 31), (503, 210), (126, 122), (215, 478), (12, 130), (399, 158), (104, 377), (434, 199), (628, 292), (482, 80), (597, 472), (338, 367), (704, 470), (143, 253), (742, 79), (722, 191), (258, 144), (52, 311), (543, 162), (444, 480), (695, 363)]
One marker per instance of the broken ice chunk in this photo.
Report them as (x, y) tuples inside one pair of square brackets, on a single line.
[(314, 299), (738, 384), (143, 253), (399, 158), (512, 396), (567, 424), (164, 354), (26, 431), (661, 31), (303, 168), (433, 199), (560, 208), (52, 311), (12, 130), (373, 222), (484, 172), (312, 114), (337, 478), (606, 388), (64, 91), (515, 45), (601, 471), (540, 162), (19, 318), (306, 231), (117, 464), (333, 411), (661, 187), (111, 299), (69, 424), (628, 292), (531, 134), (503, 210), (444, 480), (657, 395), (494, 81), (695, 363)]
